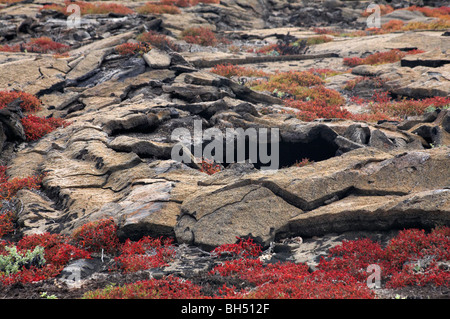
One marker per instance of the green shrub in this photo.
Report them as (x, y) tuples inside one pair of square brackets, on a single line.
[(15, 260)]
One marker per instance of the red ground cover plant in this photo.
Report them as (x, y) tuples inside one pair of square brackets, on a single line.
[(410, 258), (10, 187), (391, 56), (303, 162), (6, 223), (167, 288), (36, 127), (158, 8), (58, 248), (133, 48), (318, 285), (439, 12), (305, 91), (97, 235), (57, 252), (199, 35), (374, 82), (292, 84), (318, 39), (132, 256), (209, 167), (243, 248), (281, 280), (188, 3), (324, 73), (229, 70), (145, 253), (30, 103), (157, 40), (406, 107), (90, 8), (38, 45), (393, 25)]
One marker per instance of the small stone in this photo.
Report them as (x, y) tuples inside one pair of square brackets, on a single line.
[(157, 59)]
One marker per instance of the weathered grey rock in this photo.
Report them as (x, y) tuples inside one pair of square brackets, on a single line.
[(194, 93), (446, 122), (86, 66), (143, 148), (219, 217), (358, 133), (379, 140), (11, 125), (346, 145), (403, 15), (432, 134), (157, 59), (426, 209), (362, 189), (36, 214), (133, 122)]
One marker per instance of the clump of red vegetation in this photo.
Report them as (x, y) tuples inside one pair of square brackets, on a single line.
[(90, 8), (391, 56), (439, 12), (157, 40), (208, 166), (382, 106), (58, 251), (303, 162), (158, 8), (38, 45), (6, 223), (324, 73), (145, 253), (393, 25), (411, 258), (407, 107), (188, 3), (90, 238), (305, 91), (375, 82), (10, 187), (29, 103), (318, 39), (97, 236), (168, 288), (170, 6), (229, 70), (132, 48), (36, 127), (199, 35)]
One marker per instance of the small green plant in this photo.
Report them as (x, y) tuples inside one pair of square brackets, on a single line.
[(15, 260), (47, 296)]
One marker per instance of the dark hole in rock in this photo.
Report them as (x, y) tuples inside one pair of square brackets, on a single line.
[(285, 154)]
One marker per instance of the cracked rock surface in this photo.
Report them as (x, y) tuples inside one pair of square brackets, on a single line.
[(115, 159)]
